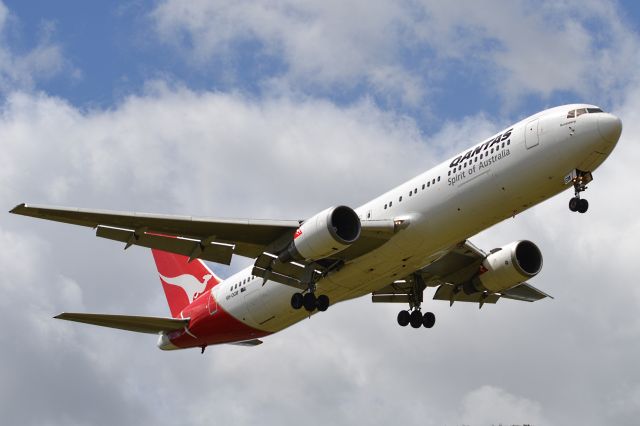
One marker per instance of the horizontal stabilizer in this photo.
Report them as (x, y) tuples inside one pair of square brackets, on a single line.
[(151, 325), (254, 342)]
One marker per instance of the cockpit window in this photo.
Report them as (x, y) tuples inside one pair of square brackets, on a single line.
[(577, 112)]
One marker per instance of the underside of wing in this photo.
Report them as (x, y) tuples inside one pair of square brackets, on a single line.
[(139, 324), (454, 274), (217, 237)]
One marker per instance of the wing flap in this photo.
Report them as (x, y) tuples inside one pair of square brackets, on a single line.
[(525, 292), (139, 324), (203, 249), (447, 292)]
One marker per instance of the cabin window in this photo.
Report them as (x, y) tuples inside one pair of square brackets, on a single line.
[(429, 183), (400, 199), (434, 181), (385, 206), (424, 185), (410, 192), (438, 178), (390, 203)]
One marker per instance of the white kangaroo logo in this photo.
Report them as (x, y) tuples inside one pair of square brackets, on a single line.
[(190, 284)]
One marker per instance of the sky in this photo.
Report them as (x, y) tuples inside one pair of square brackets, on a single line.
[(278, 110)]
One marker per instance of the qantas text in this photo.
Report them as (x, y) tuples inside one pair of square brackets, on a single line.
[(481, 148)]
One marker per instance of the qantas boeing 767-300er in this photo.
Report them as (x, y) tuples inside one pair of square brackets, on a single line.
[(393, 247)]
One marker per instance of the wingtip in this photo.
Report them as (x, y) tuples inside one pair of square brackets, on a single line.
[(16, 209), (59, 316)]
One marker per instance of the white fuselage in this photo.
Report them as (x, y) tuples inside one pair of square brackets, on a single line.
[(519, 167)]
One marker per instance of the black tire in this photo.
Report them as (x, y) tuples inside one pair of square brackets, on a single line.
[(297, 300), (416, 319), (309, 302), (573, 204), (322, 303), (428, 320), (583, 206), (403, 318)]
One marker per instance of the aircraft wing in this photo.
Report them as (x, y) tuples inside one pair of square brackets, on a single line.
[(151, 325), (206, 238), (212, 239), (456, 266)]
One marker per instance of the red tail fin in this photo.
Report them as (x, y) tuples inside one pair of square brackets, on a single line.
[(182, 281)]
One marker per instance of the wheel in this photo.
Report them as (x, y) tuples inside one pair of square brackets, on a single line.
[(573, 204), (296, 300), (403, 318), (416, 319), (583, 206), (428, 320), (309, 301), (322, 303)]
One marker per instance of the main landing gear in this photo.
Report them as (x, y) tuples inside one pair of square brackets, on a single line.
[(580, 180), (309, 301), (308, 298), (414, 315), (416, 318)]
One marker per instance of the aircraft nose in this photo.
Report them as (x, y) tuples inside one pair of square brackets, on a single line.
[(610, 127)]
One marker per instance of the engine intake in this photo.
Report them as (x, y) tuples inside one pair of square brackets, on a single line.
[(506, 268), (327, 233)]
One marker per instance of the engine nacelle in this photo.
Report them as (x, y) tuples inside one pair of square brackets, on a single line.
[(329, 232), (506, 268)]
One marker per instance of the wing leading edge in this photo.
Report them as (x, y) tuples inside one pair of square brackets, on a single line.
[(216, 237)]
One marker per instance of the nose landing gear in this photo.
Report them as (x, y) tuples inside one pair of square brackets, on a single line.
[(580, 180)]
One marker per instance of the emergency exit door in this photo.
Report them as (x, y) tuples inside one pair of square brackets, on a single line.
[(531, 137)]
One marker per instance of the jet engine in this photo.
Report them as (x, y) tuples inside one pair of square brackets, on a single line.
[(506, 267), (328, 232)]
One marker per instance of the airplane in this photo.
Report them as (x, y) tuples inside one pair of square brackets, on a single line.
[(394, 247)]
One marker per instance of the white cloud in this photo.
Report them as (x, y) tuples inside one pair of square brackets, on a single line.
[(21, 70), (175, 150), (399, 49)]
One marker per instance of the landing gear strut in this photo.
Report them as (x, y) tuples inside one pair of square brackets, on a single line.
[(580, 180), (416, 318), (309, 300)]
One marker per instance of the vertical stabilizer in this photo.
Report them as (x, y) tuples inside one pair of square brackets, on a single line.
[(182, 281)]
